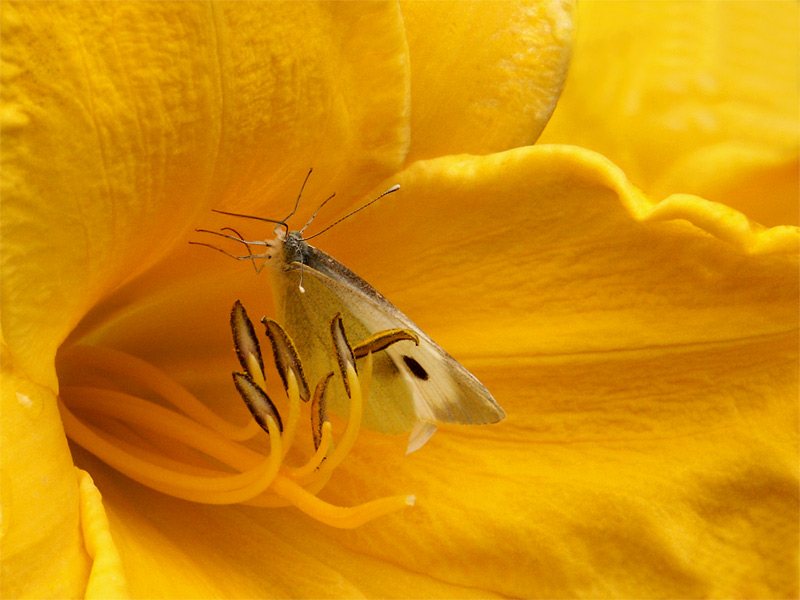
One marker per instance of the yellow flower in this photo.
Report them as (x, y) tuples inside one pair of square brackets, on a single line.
[(645, 349), (690, 97)]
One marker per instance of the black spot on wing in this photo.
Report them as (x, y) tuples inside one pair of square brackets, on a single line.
[(415, 368)]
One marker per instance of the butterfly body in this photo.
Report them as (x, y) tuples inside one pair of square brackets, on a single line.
[(414, 386)]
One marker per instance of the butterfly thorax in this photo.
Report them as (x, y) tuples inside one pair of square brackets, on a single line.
[(294, 248), (286, 248)]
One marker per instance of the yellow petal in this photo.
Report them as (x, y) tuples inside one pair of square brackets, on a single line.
[(43, 553), (697, 97), (107, 578), (646, 354), (485, 76), (501, 245), (124, 123), (649, 369), (242, 552)]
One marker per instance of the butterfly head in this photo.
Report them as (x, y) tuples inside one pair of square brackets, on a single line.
[(294, 246), (281, 231)]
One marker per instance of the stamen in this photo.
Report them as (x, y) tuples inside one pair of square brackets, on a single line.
[(123, 366), (382, 340), (326, 438), (138, 469), (342, 349), (120, 436), (246, 343), (253, 365), (319, 410), (345, 444), (181, 455), (256, 400), (338, 516), (293, 393), (149, 416), (286, 357)]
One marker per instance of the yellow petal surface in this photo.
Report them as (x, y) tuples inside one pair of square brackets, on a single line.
[(123, 123), (646, 351), (646, 354), (485, 76), (43, 553), (107, 577), (691, 97), (508, 108)]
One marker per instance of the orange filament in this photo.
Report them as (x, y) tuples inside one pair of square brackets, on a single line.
[(129, 367), (353, 424), (180, 454), (319, 455), (290, 429)]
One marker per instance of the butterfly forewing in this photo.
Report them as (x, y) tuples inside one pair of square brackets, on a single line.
[(306, 316), (409, 382)]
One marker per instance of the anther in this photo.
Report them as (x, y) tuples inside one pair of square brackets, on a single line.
[(319, 410), (245, 342), (257, 401), (342, 349), (384, 339), (286, 356)]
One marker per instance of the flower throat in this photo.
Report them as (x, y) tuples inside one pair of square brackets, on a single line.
[(147, 441)]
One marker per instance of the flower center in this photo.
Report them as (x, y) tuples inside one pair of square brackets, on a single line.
[(178, 450)]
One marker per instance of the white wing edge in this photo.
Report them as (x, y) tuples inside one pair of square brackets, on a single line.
[(421, 432)]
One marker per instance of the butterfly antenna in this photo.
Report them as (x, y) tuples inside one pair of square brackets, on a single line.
[(296, 204), (231, 214), (394, 188), (315, 213), (231, 237), (282, 222)]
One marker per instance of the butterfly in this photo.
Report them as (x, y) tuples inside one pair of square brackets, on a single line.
[(415, 384)]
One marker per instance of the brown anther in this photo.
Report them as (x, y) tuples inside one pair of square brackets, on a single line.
[(319, 410), (286, 357), (342, 349), (244, 339), (382, 340), (257, 400)]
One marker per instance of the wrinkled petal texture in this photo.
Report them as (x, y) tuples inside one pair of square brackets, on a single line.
[(691, 97), (649, 371), (523, 75), (646, 351), (484, 77), (123, 123), (646, 355)]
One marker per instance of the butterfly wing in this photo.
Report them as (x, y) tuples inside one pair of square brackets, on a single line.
[(410, 382)]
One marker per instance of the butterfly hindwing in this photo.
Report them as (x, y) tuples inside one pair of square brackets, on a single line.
[(409, 382)]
